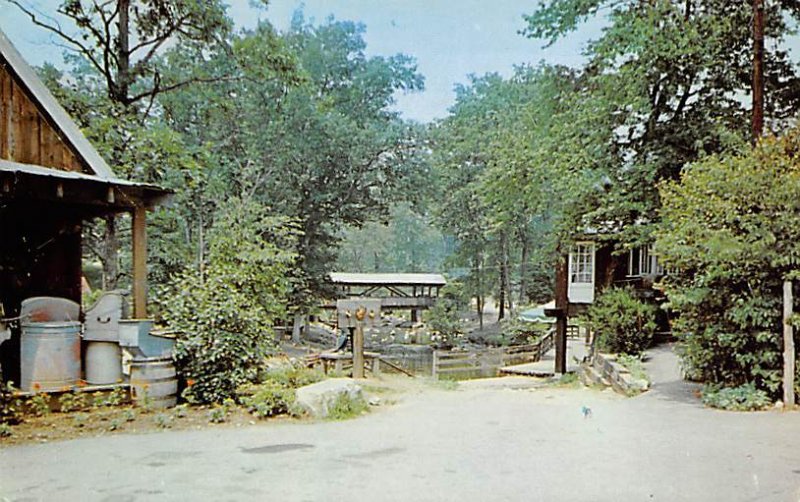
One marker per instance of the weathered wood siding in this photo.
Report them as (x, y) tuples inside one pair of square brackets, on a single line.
[(26, 135)]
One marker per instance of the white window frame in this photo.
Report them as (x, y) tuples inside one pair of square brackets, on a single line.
[(581, 273), (642, 262)]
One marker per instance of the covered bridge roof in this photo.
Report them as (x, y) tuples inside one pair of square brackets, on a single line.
[(387, 279)]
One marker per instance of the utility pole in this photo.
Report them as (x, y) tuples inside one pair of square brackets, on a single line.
[(758, 70)]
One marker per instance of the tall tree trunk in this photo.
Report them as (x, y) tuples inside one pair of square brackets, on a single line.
[(201, 258), (119, 95), (110, 253), (123, 54), (758, 70), (505, 286), (523, 266), (507, 274), (297, 326), (476, 270)]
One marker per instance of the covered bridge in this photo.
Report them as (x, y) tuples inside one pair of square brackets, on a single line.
[(414, 292)]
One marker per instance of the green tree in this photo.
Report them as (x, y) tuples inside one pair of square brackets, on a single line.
[(407, 242), (115, 49), (225, 313), (730, 230), (659, 91), (325, 151)]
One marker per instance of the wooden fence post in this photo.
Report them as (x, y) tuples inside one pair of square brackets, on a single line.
[(788, 347), (434, 372)]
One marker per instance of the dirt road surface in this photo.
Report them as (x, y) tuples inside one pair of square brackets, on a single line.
[(478, 443)]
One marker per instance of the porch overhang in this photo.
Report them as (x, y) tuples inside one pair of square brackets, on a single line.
[(98, 195)]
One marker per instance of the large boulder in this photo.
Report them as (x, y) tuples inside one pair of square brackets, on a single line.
[(318, 398)]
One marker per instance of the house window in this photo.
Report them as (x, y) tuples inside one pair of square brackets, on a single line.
[(642, 261), (582, 264)]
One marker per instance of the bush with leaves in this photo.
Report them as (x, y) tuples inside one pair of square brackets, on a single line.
[(623, 323), (268, 399), (730, 229), (224, 311), (10, 405), (742, 398), (516, 331), (444, 316)]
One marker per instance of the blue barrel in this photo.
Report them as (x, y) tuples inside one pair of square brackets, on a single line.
[(50, 355)]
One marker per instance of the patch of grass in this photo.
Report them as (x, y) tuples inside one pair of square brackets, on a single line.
[(443, 384), (220, 412), (378, 389), (163, 420), (568, 380), (129, 415), (113, 398), (79, 419), (40, 405), (10, 405), (346, 407), (267, 399), (293, 376), (72, 401), (181, 411), (217, 415), (5, 430), (743, 398)]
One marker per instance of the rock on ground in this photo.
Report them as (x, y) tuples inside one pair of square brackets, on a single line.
[(318, 398)]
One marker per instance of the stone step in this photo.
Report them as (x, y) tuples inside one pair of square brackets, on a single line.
[(590, 376)]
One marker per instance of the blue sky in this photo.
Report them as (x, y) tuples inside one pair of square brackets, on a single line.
[(449, 38)]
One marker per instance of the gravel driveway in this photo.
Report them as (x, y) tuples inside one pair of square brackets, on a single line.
[(478, 443)]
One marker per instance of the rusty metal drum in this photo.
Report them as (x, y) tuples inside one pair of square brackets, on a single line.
[(50, 355), (154, 382), (103, 362)]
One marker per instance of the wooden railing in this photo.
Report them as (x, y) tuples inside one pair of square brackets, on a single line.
[(486, 362)]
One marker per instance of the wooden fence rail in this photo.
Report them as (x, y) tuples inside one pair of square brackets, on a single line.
[(486, 362)]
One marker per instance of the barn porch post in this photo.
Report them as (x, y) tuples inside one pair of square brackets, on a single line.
[(139, 262)]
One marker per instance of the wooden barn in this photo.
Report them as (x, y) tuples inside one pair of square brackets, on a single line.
[(52, 181)]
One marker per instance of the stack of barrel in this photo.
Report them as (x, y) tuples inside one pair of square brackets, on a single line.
[(50, 347)]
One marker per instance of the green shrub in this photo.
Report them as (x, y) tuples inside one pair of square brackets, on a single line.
[(10, 406), (72, 401), (444, 317), (40, 405), (292, 376), (224, 314), (218, 414), (163, 420), (742, 398), (345, 407), (518, 332), (268, 399), (113, 398), (729, 226), (5, 430), (622, 323), (634, 366)]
